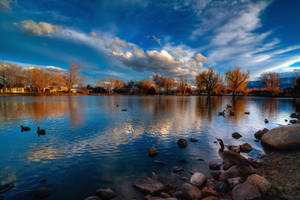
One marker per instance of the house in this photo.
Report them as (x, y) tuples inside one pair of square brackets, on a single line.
[(16, 89)]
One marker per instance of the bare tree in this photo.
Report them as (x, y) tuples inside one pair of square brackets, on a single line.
[(72, 77), (146, 86), (237, 80), (271, 81), (208, 80), (183, 85)]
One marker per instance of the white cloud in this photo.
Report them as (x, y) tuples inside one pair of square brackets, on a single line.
[(121, 43), (41, 28), (54, 68), (93, 34), (156, 40)]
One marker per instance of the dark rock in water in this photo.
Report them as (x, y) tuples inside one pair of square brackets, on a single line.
[(236, 149), (42, 193), (190, 192), (246, 147), (6, 187), (215, 174), (266, 121), (164, 195), (234, 181), (214, 165), (245, 191), (43, 180), (208, 191), (194, 140), (124, 110), (105, 193), (176, 169), (182, 143), (152, 151), (236, 135), (247, 113), (260, 133), (284, 137), (294, 115), (293, 121), (159, 162), (227, 165), (260, 182), (200, 159), (149, 185), (198, 179), (182, 161), (222, 187), (92, 198)]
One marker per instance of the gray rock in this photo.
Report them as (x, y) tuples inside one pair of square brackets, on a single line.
[(198, 179), (260, 182), (42, 193), (284, 137), (246, 148), (182, 143), (152, 151), (214, 165), (190, 192), (92, 198), (245, 191), (149, 185), (105, 193), (215, 174), (164, 195), (258, 135), (236, 135), (177, 169)]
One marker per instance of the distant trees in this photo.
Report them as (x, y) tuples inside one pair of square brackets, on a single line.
[(236, 80), (183, 86), (208, 80), (167, 83), (146, 86), (72, 77), (271, 81)]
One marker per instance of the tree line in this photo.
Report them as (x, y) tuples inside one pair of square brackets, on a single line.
[(208, 82)]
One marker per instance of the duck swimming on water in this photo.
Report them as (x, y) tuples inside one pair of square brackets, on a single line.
[(40, 131), (25, 128)]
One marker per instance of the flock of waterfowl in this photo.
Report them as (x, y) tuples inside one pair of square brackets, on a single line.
[(39, 130)]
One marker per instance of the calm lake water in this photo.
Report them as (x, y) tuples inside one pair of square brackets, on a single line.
[(91, 143)]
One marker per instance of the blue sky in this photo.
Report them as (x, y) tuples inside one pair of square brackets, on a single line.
[(133, 39)]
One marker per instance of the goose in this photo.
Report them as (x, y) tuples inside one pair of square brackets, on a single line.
[(40, 131), (233, 157), (222, 113), (25, 128)]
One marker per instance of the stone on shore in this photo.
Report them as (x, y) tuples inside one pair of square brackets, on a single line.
[(190, 192), (245, 191), (234, 181), (182, 143), (215, 174), (198, 179), (214, 165), (210, 198), (294, 115), (152, 151), (260, 182), (105, 193), (236, 149), (236, 135), (177, 169), (149, 185), (42, 193), (284, 137), (246, 148)]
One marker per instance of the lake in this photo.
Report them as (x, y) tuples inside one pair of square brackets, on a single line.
[(91, 143)]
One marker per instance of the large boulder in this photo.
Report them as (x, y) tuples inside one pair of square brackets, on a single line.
[(198, 179), (260, 182), (258, 135), (245, 191), (284, 137), (149, 185), (190, 192)]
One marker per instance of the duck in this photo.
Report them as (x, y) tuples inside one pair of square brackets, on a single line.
[(25, 128), (40, 131), (233, 157), (222, 113), (266, 121), (231, 113), (247, 113)]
